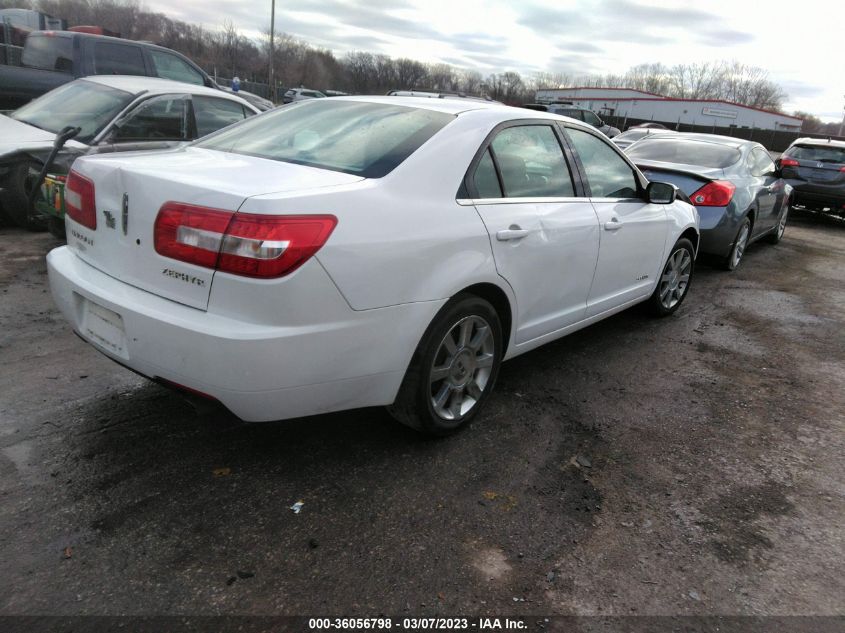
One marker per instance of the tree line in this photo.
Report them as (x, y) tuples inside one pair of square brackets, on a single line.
[(226, 52)]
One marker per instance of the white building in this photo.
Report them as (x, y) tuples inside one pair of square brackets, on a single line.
[(638, 105)]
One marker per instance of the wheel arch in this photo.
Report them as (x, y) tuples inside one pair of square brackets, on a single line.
[(501, 303), (693, 236)]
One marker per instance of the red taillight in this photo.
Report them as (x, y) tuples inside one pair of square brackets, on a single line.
[(842, 169), (79, 200), (788, 162), (714, 194), (251, 245)]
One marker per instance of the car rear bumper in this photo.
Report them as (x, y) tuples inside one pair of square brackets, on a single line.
[(341, 359), (718, 230), (817, 195)]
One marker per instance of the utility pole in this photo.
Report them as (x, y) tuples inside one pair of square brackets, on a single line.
[(272, 49), (842, 124)]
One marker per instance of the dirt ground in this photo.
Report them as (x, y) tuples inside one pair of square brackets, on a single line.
[(689, 465)]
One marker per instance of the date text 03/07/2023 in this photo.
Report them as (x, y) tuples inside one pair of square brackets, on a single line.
[(417, 624)]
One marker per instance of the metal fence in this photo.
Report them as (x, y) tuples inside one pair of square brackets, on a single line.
[(773, 140), (10, 55)]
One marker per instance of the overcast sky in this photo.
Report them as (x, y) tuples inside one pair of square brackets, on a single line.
[(798, 43)]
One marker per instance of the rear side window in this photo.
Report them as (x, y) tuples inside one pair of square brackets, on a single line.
[(817, 153), (684, 151), (364, 139), (48, 52), (169, 66), (762, 164), (608, 174), (531, 162), (118, 59), (486, 180), (212, 114), (572, 114)]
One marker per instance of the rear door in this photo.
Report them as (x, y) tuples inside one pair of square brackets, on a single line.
[(114, 58), (544, 235), (633, 232)]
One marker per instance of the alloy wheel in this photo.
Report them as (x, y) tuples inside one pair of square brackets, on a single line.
[(462, 367), (739, 247), (675, 279)]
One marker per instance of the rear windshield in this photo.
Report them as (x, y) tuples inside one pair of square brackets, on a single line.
[(818, 153), (365, 139), (81, 103), (684, 151), (631, 135), (48, 52)]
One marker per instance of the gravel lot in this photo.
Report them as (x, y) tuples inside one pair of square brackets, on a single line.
[(690, 465)]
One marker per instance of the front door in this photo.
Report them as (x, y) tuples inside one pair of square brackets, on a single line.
[(633, 232)]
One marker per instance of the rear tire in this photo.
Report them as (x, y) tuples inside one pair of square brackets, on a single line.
[(777, 235), (675, 279), (56, 226), (453, 370), (732, 261)]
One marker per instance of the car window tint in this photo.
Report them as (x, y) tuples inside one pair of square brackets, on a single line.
[(531, 162), (212, 114), (158, 119), (608, 174), (818, 153), (684, 151), (486, 180), (169, 66), (365, 139), (48, 52), (763, 164), (591, 118), (573, 114), (118, 59)]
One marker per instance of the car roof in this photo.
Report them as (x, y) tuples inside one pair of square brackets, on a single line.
[(450, 105), (137, 85), (819, 142)]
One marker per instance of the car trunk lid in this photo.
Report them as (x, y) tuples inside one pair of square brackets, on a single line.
[(130, 190)]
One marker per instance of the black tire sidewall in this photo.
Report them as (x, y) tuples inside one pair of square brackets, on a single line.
[(656, 305), (468, 305)]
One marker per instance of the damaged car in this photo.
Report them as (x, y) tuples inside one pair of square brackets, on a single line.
[(95, 115)]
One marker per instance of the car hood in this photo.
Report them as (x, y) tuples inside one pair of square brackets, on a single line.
[(16, 136)]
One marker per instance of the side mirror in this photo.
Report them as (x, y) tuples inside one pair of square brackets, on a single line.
[(661, 192)]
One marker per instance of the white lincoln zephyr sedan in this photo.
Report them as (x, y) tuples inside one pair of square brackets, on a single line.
[(363, 251)]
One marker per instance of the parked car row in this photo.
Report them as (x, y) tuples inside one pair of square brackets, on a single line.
[(739, 191), (112, 114), (324, 255)]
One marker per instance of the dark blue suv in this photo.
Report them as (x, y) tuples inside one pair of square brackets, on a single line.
[(816, 170)]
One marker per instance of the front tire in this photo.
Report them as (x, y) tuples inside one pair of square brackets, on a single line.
[(734, 258), (21, 179), (675, 279), (453, 370)]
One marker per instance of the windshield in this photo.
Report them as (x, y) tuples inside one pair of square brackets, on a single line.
[(818, 153), (684, 151), (83, 104), (365, 139)]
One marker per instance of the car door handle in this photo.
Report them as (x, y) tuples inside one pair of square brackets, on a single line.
[(513, 233), (613, 225)]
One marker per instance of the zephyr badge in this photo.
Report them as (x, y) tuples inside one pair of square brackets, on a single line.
[(124, 214)]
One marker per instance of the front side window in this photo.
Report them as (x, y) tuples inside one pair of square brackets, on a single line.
[(531, 162), (169, 66), (364, 139), (608, 174), (118, 59), (212, 114), (158, 119), (48, 52)]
